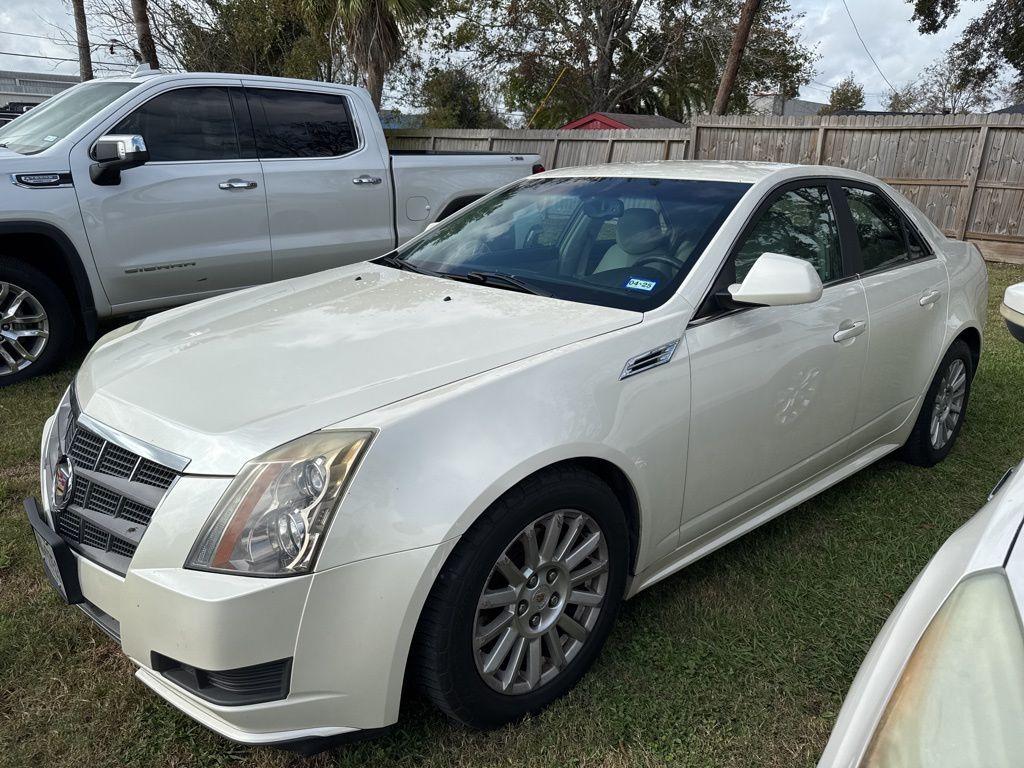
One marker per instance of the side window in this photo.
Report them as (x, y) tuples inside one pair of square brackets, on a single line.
[(186, 124), (879, 229), (301, 123), (799, 223), (918, 250)]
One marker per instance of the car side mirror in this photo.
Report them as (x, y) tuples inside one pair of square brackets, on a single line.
[(777, 280), (114, 153)]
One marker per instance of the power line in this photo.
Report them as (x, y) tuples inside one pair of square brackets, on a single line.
[(866, 47), (24, 34), (58, 58)]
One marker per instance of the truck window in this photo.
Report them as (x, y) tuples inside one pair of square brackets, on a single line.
[(186, 124), (301, 123)]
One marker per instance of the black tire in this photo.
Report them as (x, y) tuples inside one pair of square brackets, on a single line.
[(59, 319), (443, 652), (920, 449)]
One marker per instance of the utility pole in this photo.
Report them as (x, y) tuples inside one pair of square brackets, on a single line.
[(732, 64), (82, 36)]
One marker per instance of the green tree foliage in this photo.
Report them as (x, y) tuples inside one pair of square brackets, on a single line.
[(649, 56), (848, 95), (956, 84), (905, 99), (453, 98), (993, 40)]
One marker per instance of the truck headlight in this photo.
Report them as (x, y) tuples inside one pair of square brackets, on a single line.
[(960, 699), (271, 519)]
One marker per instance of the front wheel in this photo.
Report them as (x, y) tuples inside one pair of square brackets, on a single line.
[(942, 413), (36, 324), (526, 601)]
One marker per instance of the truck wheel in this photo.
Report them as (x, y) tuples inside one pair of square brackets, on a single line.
[(526, 601), (36, 324), (942, 413)]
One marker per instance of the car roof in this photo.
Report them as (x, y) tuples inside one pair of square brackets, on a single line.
[(742, 171)]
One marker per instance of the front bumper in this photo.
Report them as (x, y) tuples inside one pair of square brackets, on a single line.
[(346, 630), (1014, 321)]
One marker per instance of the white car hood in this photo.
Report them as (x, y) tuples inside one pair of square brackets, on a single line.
[(222, 381)]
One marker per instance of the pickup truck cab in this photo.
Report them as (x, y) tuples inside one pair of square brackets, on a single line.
[(131, 194)]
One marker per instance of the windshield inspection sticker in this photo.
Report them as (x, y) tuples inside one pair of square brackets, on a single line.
[(636, 284)]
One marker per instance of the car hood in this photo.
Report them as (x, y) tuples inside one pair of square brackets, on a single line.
[(222, 381)]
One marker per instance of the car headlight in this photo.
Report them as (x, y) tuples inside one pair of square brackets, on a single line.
[(272, 518), (960, 699)]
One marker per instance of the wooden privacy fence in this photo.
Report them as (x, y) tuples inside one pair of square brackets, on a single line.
[(966, 172), (559, 149)]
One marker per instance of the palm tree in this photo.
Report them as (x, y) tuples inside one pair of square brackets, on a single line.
[(140, 14), (82, 38), (373, 33)]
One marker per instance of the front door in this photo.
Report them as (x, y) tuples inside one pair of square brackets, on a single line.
[(190, 222), (328, 189), (774, 394), (907, 291)]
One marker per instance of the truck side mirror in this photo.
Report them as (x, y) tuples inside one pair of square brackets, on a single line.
[(114, 153)]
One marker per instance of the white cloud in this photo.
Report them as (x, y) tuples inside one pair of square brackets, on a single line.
[(901, 52)]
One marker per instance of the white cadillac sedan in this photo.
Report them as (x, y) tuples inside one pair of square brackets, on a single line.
[(456, 461)]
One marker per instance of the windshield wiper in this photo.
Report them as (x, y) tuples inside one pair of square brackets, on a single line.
[(503, 280), (392, 260)]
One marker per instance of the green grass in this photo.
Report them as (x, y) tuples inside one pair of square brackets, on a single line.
[(741, 660)]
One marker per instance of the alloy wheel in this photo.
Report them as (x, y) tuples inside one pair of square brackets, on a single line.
[(540, 602), (24, 328), (949, 404)]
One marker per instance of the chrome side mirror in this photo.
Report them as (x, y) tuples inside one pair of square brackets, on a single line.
[(114, 153), (777, 280)]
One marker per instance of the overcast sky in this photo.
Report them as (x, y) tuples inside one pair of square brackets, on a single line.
[(900, 51)]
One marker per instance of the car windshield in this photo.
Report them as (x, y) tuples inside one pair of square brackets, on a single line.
[(55, 118), (618, 242)]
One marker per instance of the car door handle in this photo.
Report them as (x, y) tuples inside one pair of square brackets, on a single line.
[(849, 329), (930, 298), (367, 179), (237, 184)]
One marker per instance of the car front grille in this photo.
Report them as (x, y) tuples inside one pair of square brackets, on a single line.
[(114, 494)]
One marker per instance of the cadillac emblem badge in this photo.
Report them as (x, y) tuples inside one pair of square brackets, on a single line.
[(63, 483)]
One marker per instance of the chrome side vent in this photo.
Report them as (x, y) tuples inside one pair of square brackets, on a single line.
[(650, 359)]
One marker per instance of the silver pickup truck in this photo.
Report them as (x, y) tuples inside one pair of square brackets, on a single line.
[(130, 194)]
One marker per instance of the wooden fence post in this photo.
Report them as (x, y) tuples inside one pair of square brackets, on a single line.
[(554, 154), (972, 187), (821, 143)]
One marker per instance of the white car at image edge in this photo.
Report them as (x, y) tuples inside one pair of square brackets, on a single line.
[(454, 462)]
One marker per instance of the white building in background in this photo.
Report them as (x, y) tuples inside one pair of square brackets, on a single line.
[(778, 105), (18, 88)]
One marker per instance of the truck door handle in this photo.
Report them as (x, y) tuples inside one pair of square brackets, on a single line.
[(849, 329), (930, 298), (237, 184), (367, 179)]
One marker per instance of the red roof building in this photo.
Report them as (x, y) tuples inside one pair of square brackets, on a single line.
[(605, 121)]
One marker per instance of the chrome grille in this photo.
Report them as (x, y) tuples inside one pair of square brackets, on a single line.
[(115, 493)]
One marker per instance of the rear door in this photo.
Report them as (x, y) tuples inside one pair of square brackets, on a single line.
[(774, 391), (907, 290), (328, 188), (191, 221)]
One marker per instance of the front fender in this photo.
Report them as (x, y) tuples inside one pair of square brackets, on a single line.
[(442, 458)]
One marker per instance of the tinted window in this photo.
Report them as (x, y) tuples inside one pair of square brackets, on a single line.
[(185, 124), (800, 223), (879, 229), (301, 124), (617, 242)]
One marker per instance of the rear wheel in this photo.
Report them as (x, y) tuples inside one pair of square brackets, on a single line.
[(526, 601), (942, 413), (36, 324)]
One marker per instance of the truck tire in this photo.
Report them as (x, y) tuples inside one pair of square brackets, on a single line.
[(36, 323), (511, 626)]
